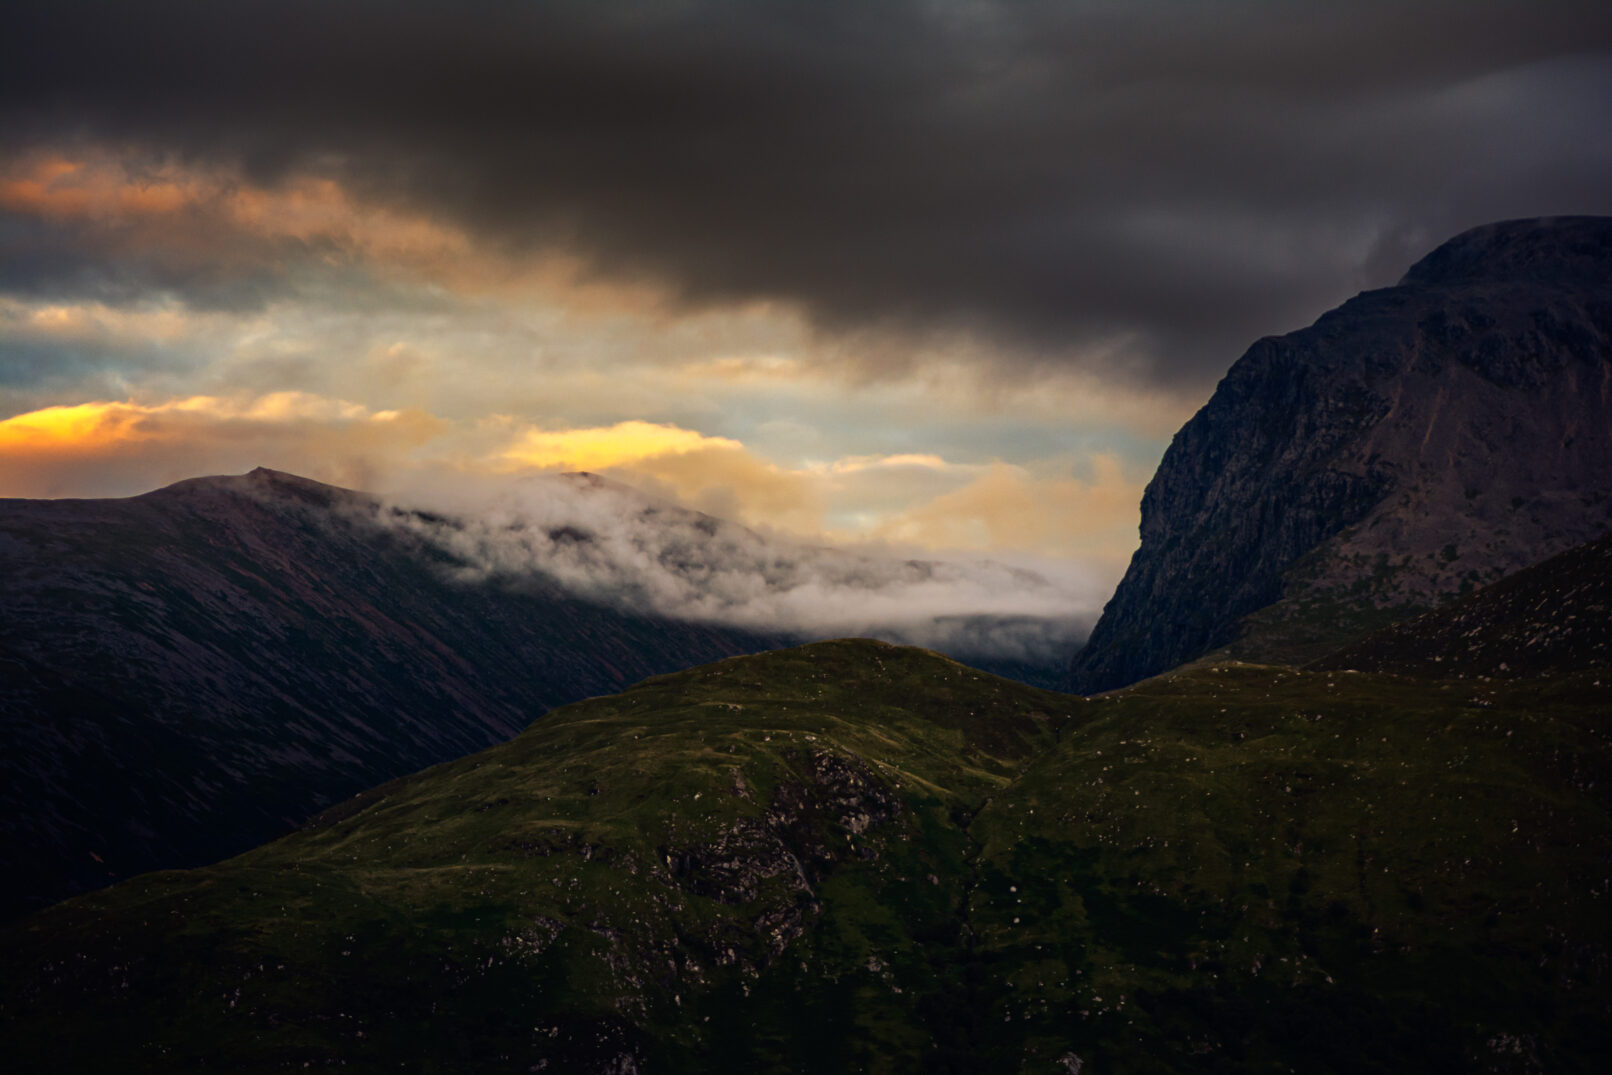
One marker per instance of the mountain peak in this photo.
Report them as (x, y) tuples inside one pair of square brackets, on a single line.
[(1411, 445), (1561, 250), (258, 482)]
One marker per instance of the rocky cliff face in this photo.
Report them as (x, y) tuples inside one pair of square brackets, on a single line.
[(1412, 444)]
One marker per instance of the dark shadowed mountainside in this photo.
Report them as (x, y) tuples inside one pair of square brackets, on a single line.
[(188, 673), (1411, 445), (1544, 620)]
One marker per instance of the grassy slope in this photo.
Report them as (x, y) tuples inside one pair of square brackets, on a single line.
[(852, 856), (628, 864), (1241, 867)]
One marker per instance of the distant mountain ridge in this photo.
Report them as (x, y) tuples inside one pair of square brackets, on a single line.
[(188, 673), (1411, 445)]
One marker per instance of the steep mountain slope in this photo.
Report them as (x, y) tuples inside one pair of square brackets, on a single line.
[(188, 673), (1416, 442), (852, 856), (1547, 619)]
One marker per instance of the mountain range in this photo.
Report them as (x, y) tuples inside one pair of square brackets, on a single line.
[(194, 671), (191, 672), (1341, 804)]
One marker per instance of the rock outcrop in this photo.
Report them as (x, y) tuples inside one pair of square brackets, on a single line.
[(1411, 445)]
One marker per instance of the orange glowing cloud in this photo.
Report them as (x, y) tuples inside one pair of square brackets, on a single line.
[(113, 448), (601, 448), (56, 187), (83, 429), (855, 463), (181, 208), (915, 499), (306, 208), (1007, 507), (717, 475), (116, 448)]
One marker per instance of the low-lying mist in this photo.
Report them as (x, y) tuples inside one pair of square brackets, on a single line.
[(609, 543)]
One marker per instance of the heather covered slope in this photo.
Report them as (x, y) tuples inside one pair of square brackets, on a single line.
[(852, 856), (188, 673), (1413, 444)]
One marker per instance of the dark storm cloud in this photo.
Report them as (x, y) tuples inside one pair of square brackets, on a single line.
[(195, 252), (120, 263), (1047, 175)]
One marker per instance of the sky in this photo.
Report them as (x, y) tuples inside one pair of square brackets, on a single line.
[(942, 276)]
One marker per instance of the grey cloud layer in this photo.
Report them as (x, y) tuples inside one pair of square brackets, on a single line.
[(1186, 176), (611, 544)]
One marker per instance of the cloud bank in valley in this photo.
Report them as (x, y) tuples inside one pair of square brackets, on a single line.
[(605, 542)]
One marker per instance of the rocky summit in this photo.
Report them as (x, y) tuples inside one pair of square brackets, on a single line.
[(1415, 443)]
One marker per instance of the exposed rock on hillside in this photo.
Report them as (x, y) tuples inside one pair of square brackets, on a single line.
[(1416, 442)]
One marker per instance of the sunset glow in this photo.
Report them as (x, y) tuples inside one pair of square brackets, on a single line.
[(84, 428), (813, 536), (598, 449), (953, 303)]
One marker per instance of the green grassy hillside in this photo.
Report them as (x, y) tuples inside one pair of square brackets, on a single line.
[(852, 856), (1246, 868)]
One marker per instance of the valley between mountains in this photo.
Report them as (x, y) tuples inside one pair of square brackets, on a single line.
[(1336, 797)]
